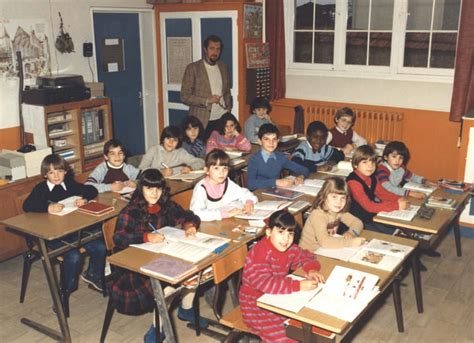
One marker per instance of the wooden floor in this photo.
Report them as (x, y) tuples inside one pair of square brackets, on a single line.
[(448, 290)]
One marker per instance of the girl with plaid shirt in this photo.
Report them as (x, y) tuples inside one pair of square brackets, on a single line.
[(150, 207)]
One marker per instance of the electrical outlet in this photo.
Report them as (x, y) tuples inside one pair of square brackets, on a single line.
[(87, 50)]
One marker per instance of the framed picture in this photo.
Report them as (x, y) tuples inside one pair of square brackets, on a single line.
[(253, 21), (258, 55)]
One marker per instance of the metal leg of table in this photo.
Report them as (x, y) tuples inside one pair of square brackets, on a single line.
[(415, 268), (397, 301), (457, 236), (65, 335), (163, 309)]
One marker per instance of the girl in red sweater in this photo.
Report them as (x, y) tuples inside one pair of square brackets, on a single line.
[(266, 271)]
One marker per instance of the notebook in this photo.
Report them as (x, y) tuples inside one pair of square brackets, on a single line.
[(169, 268), (282, 193), (264, 209)]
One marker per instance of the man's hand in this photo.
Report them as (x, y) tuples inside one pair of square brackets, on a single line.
[(213, 99)]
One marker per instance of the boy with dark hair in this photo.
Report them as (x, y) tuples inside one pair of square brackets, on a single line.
[(260, 114), (314, 153), (342, 136), (113, 174), (265, 167)]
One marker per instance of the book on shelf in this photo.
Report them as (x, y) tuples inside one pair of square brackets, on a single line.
[(69, 205), (405, 215), (264, 209), (95, 208), (342, 168), (282, 193), (191, 176), (346, 293), (441, 202), (192, 249), (292, 302), (169, 268), (418, 187)]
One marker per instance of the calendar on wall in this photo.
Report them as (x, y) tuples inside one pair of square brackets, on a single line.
[(258, 70)]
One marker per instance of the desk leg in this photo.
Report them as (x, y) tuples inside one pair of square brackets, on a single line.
[(398, 303), (65, 335), (457, 236), (163, 310), (415, 268)]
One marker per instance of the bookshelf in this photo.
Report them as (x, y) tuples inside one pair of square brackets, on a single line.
[(78, 130)]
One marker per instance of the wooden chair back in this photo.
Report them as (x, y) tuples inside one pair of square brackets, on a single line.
[(108, 230), (19, 200), (230, 264)]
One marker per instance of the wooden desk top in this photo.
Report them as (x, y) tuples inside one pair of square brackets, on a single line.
[(49, 226), (334, 324), (441, 219)]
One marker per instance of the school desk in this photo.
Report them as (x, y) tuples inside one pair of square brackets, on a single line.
[(133, 258), (44, 227), (439, 223), (338, 326)]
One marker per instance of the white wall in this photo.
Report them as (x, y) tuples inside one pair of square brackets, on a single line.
[(77, 22)]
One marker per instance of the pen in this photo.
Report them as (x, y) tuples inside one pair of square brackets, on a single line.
[(164, 165), (359, 287), (355, 233)]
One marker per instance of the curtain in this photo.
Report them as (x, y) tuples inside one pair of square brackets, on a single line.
[(275, 36), (463, 86)]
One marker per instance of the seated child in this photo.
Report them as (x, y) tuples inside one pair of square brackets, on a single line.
[(58, 185), (217, 197), (264, 168), (393, 173), (113, 174), (169, 154), (193, 132), (266, 270), (330, 209), (260, 109), (150, 208), (368, 195), (342, 136), (314, 153), (228, 136)]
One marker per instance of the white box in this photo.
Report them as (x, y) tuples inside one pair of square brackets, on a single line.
[(33, 160)]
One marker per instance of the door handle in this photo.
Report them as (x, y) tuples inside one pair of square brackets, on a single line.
[(140, 98)]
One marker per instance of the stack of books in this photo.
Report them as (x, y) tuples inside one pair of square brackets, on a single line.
[(453, 185), (441, 202), (418, 187)]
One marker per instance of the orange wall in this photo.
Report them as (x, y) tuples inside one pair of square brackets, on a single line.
[(10, 138), (430, 136)]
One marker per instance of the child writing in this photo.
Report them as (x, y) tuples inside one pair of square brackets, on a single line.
[(266, 270), (314, 153), (193, 132), (260, 109), (58, 185), (368, 195), (393, 173), (330, 209), (342, 136), (149, 209), (217, 197), (169, 154), (113, 174), (228, 136), (264, 168)]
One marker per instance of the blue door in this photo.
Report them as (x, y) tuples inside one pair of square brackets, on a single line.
[(117, 46)]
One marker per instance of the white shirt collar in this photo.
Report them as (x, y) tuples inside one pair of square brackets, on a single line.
[(51, 185), (113, 167), (338, 129)]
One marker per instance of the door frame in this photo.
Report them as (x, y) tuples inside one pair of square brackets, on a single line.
[(149, 78), (195, 17)]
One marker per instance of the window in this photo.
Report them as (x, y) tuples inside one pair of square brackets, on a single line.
[(387, 36)]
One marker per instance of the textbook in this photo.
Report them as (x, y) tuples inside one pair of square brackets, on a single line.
[(191, 176), (264, 209), (343, 168), (441, 202), (192, 249), (310, 186), (406, 215), (95, 208), (282, 193), (292, 302), (169, 268), (346, 293), (287, 138), (234, 154), (69, 205), (418, 187)]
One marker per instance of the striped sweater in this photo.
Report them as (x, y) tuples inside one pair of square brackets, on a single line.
[(266, 270)]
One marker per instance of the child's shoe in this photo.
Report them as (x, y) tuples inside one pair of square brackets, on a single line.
[(187, 315), (91, 280), (151, 335)]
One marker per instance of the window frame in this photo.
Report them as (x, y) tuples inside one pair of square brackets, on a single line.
[(396, 70)]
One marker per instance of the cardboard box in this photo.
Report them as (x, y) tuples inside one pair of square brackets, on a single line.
[(33, 160), (97, 89)]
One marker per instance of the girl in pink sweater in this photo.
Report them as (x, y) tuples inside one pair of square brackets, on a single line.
[(228, 136)]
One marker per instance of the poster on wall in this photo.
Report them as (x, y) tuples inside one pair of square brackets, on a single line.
[(258, 55), (253, 21), (29, 36), (179, 56)]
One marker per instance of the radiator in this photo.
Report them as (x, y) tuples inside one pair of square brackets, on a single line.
[(372, 125)]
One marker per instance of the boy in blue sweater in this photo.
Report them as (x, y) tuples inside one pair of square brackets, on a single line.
[(265, 167), (314, 153)]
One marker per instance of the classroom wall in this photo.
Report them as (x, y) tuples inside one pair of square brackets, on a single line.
[(77, 22)]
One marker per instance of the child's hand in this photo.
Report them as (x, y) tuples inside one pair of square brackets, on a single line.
[(348, 235), (131, 184), (267, 117), (55, 208), (235, 212), (230, 149), (325, 167), (315, 276), (429, 183), (416, 195), (117, 186), (186, 170), (299, 180), (403, 203), (284, 183), (80, 202), (166, 171), (190, 231), (248, 207), (307, 285), (156, 237), (347, 149), (358, 241)]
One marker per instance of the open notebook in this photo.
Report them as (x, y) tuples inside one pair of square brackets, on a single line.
[(264, 209)]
